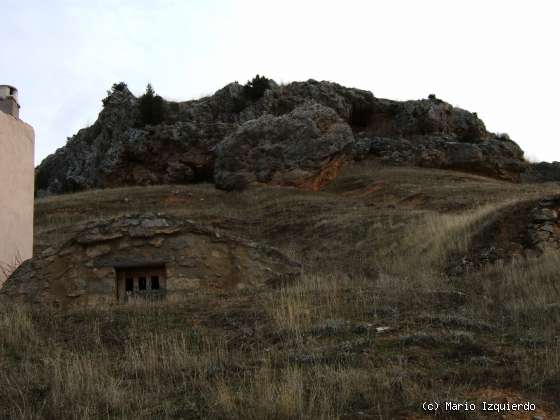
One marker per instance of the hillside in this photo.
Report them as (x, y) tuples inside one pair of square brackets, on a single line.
[(417, 284)]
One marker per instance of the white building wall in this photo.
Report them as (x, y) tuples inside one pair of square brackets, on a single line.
[(17, 141)]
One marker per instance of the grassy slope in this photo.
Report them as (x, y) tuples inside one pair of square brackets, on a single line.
[(374, 245)]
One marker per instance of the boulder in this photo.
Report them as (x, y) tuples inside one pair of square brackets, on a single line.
[(292, 149)]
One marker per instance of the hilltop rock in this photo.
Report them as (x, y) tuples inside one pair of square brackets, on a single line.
[(279, 138), (291, 149), (114, 152), (83, 269), (92, 151), (542, 172), (494, 157), (353, 105), (423, 117)]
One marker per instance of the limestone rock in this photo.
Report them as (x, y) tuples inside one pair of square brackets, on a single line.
[(355, 106), (114, 152), (198, 138), (492, 157), (290, 149), (542, 172)]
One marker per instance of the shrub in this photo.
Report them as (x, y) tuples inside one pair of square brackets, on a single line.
[(254, 89), (117, 87), (121, 86), (151, 107), (432, 97)]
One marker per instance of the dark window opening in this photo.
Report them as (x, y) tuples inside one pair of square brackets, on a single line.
[(129, 286), (155, 282), (135, 283)]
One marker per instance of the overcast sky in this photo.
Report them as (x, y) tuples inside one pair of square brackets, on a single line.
[(498, 58)]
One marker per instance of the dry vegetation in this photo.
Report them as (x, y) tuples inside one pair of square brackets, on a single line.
[(373, 329)]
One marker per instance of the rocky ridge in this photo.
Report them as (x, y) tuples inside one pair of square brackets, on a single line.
[(297, 134)]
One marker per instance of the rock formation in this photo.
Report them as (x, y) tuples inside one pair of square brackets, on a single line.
[(288, 149), (523, 230), (82, 269), (297, 134), (494, 157), (542, 172)]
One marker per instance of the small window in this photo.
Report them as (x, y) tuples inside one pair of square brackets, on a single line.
[(129, 286), (134, 283)]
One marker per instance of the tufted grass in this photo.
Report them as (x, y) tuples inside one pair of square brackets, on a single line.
[(373, 329)]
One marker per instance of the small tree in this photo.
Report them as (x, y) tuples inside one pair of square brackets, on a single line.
[(152, 107), (117, 87), (254, 89), (121, 86)]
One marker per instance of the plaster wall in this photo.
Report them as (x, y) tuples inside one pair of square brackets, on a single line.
[(16, 192)]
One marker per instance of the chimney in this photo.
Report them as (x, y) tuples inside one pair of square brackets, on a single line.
[(9, 100)]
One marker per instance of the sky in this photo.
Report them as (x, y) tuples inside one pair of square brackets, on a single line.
[(497, 58)]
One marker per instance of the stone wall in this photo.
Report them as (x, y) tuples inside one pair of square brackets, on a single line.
[(82, 270), (544, 227), (16, 192)]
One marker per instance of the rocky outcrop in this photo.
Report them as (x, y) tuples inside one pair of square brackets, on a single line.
[(114, 152), (542, 172), (297, 134), (82, 270), (290, 149), (499, 158), (424, 117), (92, 152), (353, 105)]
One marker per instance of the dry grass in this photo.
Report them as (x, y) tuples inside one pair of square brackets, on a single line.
[(7, 268), (424, 248), (373, 329), (155, 362), (161, 376)]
